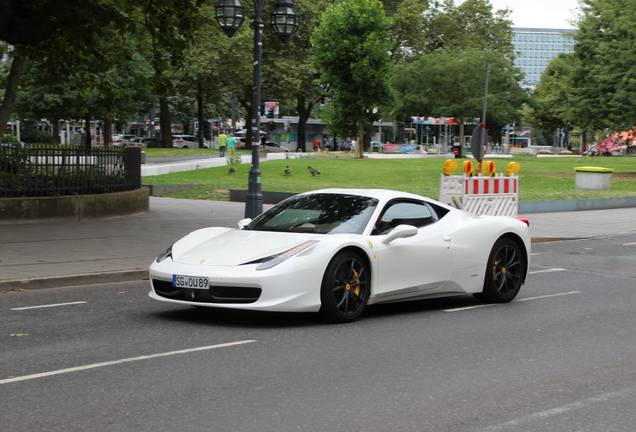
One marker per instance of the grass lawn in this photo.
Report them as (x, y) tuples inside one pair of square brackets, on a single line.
[(540, 178)]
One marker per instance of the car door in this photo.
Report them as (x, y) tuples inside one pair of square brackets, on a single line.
[(412, 265)]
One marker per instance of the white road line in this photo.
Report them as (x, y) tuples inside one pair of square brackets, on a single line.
[(549, 295), (629, 244), (547, 271), (519, 300), (51, 305), (560, 410), (114, 362)]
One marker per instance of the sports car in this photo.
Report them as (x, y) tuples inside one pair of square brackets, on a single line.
[(335, 251)]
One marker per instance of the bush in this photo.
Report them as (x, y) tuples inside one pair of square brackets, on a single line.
[(9, 139), (35, 136)]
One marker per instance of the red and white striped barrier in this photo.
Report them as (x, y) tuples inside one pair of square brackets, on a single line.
[(495, 196)]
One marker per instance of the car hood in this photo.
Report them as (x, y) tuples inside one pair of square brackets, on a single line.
[(230, 247)]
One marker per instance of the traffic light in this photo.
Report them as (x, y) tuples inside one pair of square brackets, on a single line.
[(271, 125)]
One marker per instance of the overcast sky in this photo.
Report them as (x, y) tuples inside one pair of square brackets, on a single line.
[(539, 13)]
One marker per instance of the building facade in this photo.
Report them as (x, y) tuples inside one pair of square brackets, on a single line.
[(535, 48)]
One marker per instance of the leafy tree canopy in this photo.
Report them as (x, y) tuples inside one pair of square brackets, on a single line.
[(604, 77), (352, 56)]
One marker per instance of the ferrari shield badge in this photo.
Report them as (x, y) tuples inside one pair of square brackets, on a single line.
[(370, 243)]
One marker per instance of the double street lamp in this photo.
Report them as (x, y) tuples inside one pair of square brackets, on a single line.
[(230, 14)]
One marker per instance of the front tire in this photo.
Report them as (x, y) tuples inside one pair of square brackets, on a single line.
[(345, 288), (504, 272)]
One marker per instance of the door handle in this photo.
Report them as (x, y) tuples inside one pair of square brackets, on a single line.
[(447, 238)]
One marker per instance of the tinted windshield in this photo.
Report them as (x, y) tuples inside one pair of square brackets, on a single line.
[(317, 213)]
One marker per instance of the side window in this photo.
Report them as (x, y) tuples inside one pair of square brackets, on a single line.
[(400, 212), (440, 211)]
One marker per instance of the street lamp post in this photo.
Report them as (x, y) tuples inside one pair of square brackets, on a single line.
[(284, 21)]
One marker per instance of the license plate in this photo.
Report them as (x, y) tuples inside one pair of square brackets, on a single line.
[(194, 282)]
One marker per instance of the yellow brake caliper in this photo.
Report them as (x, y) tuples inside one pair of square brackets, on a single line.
[(494, 270), (357, 288)]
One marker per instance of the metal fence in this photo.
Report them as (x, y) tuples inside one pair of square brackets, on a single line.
[(47, 170)]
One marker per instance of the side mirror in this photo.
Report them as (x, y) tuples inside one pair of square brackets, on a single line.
[(244, 222), (400, 231)]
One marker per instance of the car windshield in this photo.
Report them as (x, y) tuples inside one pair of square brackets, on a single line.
[(321, 213)]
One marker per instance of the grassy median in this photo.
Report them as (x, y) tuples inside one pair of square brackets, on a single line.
[(540, 178)]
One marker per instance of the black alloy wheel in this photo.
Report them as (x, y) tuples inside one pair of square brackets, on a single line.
[(345, 288), (504, 273)]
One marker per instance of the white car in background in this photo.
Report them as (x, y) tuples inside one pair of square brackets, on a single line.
[(121, 140), (335, 251), (143, 143), (187, 141)]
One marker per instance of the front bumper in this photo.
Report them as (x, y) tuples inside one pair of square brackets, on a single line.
[(288, 287)]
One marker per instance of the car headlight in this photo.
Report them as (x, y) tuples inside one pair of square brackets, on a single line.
[(165, 254), (274, 260)]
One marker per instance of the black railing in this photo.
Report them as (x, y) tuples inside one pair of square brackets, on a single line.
[(47, 170)]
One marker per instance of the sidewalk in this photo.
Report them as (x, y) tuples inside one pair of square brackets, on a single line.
[(56, 254)]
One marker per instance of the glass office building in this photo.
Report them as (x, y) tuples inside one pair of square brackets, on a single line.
[(535, 48)]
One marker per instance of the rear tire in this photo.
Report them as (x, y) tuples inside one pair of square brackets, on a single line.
[(345, 288), (504, 272)]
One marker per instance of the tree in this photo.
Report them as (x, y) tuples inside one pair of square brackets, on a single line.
[(288, 72), (450, 83), (604, 77), (550, 105), (28, 24), (407, 32), (169, 27), (352, 56), (472, 24)]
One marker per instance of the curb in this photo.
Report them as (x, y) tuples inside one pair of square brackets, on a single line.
[(73, 280)]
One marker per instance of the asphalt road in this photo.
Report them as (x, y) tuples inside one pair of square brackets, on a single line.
[(560, 357)]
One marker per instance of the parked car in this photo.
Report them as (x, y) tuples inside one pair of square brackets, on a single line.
[(143, 143), (187, 141), (271, 146), (335, 251), (240, 137), (121, 140)]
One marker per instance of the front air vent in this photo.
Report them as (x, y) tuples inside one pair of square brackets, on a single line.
[(216, 294)]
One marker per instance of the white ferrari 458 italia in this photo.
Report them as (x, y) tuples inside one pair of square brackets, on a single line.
[(335, 251)]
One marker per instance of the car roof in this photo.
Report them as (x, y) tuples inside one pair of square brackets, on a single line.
[(380, 194)]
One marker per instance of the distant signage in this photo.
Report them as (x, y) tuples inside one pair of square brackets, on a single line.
[(271, 108), (442, 120)]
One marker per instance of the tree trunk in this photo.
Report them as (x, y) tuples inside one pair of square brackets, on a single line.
[(200, 113), (56, 131), (11, 91), (164, 123), (360, 140), (304, 112), (368, 132), (582, 146), (108, 133), (87, 136)]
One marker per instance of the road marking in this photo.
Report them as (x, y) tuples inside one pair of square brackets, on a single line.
[(114, 362), (51, 305), (541, 415), (547, 271), (549, 295), (519, 300), (629, 244)]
